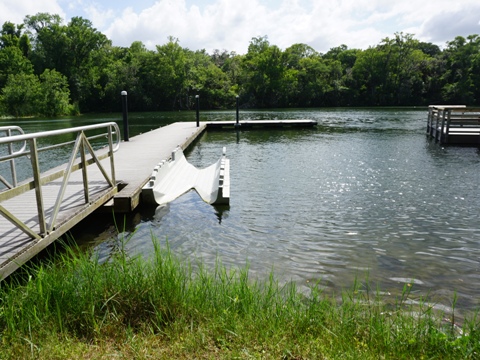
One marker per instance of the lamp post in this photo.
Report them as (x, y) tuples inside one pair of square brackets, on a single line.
[(125, 115), (238, 120), (197, 100)]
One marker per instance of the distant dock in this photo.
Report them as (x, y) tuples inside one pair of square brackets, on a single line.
[(454, 125), (254, 124)]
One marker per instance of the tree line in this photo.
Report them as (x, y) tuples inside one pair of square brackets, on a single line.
[(51, 68)]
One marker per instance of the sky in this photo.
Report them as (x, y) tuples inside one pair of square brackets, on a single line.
[(231, 24)]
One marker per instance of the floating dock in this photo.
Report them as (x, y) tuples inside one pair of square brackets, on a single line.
[(454, 125), (253, 124), (36, 212)]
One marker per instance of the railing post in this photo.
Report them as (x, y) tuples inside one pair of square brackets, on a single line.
[(197, 100), (12, 161), (110, 151), (38, 186), (125, 115), (447, 128), (83, 158)]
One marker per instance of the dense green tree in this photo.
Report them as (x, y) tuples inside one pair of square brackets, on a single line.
[(14, 49), (232, 67), (428, 48), (12, 62), (369, 73), (263, 72), (391, 73), (19, 97), (58, 66), (86, 58), (294, 89), (75, 50), (461, 56), (207, 80), (12, 36), (54, 95), (170, 69), (122, 73), (404, 70), (342, 53), (317, 78), (345, 90), (48, 41), (475, 76)]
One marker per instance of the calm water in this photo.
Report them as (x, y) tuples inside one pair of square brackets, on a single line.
[(363, 193)]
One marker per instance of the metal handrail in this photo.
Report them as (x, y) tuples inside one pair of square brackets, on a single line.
[(80, 147), (43, 134), (8, 133)]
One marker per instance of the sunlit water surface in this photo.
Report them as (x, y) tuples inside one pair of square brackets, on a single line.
[(364, 194)]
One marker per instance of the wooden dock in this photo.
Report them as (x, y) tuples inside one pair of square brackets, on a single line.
[(454, 125)]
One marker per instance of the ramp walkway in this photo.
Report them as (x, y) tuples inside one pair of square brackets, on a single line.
[(37, 211)]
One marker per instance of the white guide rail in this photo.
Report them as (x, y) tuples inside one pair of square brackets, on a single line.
[(171, 179)]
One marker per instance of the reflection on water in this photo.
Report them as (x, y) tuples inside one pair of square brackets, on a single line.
[(364, 192)]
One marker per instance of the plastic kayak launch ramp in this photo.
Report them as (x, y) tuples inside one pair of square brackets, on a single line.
[(171, 179)]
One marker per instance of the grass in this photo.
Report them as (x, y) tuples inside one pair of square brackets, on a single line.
[(163, 308)]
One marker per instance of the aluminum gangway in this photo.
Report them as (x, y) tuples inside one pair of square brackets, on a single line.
[(39, 209)]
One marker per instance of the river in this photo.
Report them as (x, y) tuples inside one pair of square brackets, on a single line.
[(365, 194)]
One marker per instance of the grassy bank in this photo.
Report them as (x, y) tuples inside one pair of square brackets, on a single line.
[(132, 308)]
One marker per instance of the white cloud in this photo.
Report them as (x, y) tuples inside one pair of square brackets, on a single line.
[(99, 16), (16, 10), (211, 27), (446, 25), (231, 24)]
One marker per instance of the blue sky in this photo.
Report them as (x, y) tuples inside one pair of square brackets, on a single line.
[(231, 24)]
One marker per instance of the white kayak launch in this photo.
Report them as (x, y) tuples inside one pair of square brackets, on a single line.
[(173, 178)]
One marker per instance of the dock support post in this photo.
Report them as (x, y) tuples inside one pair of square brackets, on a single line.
[(197, 100), (237, 114), (125, 115)]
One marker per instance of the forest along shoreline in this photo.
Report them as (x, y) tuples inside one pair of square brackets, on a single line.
[(41, 73)]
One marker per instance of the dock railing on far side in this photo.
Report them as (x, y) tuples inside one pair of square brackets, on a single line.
[(81, 156), (437, 114), (454, 124)]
